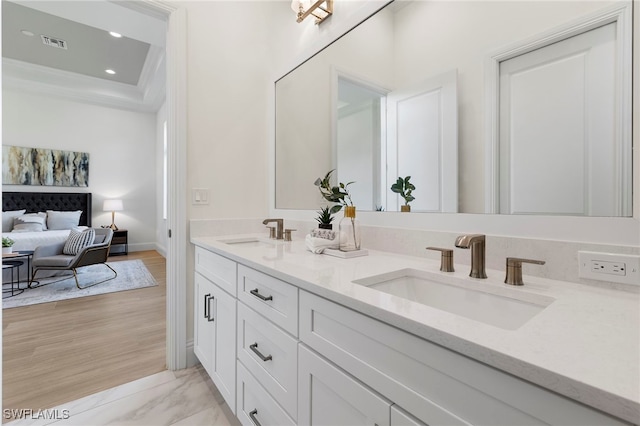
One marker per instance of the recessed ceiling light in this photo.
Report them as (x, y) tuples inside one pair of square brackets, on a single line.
[(110, 71), (27, 33), (114, 34)]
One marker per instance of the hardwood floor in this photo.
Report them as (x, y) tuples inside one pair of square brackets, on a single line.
[(61, 351)]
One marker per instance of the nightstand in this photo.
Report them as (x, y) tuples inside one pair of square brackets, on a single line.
[(119, 243)]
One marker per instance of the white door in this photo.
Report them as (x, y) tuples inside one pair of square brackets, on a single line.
[(422, 142), (559, 153)]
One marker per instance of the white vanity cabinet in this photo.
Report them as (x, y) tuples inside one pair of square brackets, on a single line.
[(434, 384), (215, 323), (281, 355)]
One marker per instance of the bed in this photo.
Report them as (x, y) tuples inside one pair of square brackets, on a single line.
[(35, 202)]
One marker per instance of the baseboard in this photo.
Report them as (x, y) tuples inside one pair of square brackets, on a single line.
[(161, 249), (142, 247), (192, 359)]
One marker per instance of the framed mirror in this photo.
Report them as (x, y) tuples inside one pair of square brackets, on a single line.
[(337, 110)]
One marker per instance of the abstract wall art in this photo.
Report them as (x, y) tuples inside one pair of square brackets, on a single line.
[(39, 166)]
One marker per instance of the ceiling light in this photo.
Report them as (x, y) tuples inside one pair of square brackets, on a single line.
[(114, 34), (110, 72), (320, 9), (27, 33)]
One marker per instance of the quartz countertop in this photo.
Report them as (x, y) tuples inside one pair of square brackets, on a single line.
[(584, 345)]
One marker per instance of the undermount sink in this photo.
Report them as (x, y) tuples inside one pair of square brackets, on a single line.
[(250, 242), (506, 308)]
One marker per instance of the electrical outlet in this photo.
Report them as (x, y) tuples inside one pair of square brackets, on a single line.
[(612, 268), (619, 268)]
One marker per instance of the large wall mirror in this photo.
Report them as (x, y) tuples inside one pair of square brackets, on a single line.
[(492, 107)]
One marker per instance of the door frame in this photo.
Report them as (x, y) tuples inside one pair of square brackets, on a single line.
[(176, 105), (622, 15)]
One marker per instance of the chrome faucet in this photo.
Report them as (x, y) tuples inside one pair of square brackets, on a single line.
[(476, 243), (279, 226)]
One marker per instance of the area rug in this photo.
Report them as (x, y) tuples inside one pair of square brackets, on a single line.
[(132, 274)]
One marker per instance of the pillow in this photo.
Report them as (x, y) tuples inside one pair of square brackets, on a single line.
[(30, 222), (7, 219), (78, 240), (63, 220)]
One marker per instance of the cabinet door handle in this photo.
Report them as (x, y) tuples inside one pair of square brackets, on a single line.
[(206, 305), (259, 296), (211, 319), (255, 350), (254, 419)]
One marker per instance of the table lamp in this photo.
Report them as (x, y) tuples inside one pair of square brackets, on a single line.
[(112, 206)]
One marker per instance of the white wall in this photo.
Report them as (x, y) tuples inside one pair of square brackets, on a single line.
[(161, 222), (227, 97), (121, 147), (228, 75)]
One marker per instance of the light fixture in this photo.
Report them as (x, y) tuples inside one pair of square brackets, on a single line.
[(112, 206), (110, 72), (27, 33), (320, 9), (115, 34)]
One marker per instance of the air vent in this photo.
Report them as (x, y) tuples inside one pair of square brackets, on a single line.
[(54, 42)]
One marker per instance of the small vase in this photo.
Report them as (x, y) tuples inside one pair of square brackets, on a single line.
[(7, 250), (349, 230), (325, 226), (405, 208)]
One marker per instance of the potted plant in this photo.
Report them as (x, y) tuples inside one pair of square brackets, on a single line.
[(334, 194), (7, 245), (404, 188), (325, 217), (349, 233)]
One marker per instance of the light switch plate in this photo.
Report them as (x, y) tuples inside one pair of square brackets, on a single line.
[(611, 267), (200, 196)]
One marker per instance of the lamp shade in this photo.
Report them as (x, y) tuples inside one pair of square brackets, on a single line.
[(112, 205), (297, 4)]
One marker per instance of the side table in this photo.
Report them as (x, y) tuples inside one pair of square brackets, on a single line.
[(119, 243)]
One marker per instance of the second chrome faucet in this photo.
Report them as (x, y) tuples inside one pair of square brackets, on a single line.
[(476, 242)]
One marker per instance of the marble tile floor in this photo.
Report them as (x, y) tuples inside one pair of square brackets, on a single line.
[(181, 398)]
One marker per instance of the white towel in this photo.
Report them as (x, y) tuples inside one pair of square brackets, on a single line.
[(317, 245)]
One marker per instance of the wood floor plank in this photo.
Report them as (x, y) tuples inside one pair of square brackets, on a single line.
[(60, 351)]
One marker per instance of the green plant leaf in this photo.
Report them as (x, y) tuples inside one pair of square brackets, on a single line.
[(335, 209)]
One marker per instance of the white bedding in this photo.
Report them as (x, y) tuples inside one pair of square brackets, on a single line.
[(31, 240)]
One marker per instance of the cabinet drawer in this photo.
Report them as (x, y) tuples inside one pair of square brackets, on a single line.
[(255, 405), (269, 296), (329, 396), (436, 385), (270, 355), (218, 269)]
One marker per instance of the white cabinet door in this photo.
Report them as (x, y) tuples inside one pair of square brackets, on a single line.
[(328, 396), (204, 331), (215, 336)]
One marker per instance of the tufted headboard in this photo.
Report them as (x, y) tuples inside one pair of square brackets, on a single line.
[(42, 201)]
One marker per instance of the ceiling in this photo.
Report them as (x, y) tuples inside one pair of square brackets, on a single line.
[(79, 69)]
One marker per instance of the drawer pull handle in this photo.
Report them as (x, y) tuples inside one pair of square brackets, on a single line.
[(206, 305), (209, 317), (254, 419), (255, 350), (259, 296)]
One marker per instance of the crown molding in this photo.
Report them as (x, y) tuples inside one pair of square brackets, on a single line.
[(31, 78)]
